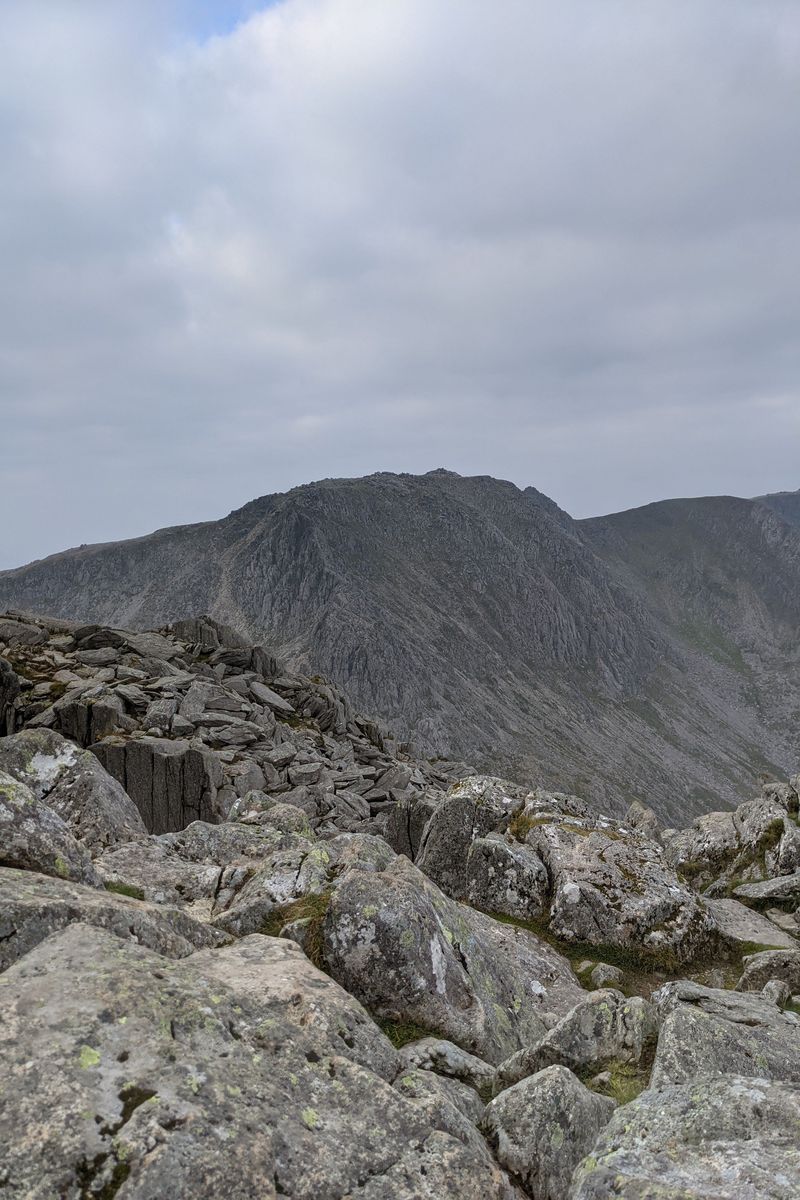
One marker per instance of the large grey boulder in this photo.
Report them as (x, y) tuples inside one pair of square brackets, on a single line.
[(542, 1127), (73, 784), (445, 1058), (130, 1073), (34, 906), (472, 808), (612, 888), (758, 969), (741, 927), (730, 1138), (34, 838), (411, 954), (707, 1032), (603, 1030)]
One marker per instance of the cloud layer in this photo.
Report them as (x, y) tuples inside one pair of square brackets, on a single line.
[(555, 243)]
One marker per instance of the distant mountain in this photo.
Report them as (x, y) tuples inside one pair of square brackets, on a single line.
[(787, 504), (649, 654)]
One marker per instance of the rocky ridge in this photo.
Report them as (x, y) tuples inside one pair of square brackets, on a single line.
[(648, 655), (248, 943)]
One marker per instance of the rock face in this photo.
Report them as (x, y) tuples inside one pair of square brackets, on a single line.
[(662, 637)]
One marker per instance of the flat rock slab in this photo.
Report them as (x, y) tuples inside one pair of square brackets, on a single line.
[(731, 1138), (740, 925), (782, 889), (33, 906)]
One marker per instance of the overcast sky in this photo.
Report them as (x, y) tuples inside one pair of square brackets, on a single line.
[(245, 246)]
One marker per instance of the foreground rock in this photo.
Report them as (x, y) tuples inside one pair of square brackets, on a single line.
[(412, 955), (707, 1032), (542, 1127), (126, 1070), (731, 1138)]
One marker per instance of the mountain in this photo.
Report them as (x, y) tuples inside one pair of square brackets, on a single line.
[(647, 655), (787, 504)]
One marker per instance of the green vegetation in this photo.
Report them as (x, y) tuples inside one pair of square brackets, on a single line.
[(310, 908), (400, 1033), (125, 889)]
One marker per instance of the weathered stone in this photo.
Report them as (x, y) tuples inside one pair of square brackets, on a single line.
[(411, 954), (74, 785), (740, 926), (759, 968), (504, 877), (604, 1028), (777, 992), (472, 808), (171, 782), (604, 975), (730, 1138), (265, 695), (34, 838), (785, 889), (408, 819), (707, 1032), (445, 1058), (34, 906), (617, 890), (542, 1127), (158, 1076)]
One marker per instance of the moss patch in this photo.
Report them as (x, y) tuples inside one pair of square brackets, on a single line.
[(125, 889)]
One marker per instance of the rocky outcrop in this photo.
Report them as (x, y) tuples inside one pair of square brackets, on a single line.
[(279, 1001)]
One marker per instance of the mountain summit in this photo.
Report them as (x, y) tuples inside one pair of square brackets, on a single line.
[(650, 654)]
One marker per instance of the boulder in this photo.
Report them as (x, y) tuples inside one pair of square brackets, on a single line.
[(721, 846), (410, 954), (617, 890), (172, 783), (785, 889), (741, 927), (505, 877), (133, 1072), (34, 906), (602, 1030), (73, 784), (34, 838), (758, 969), (707, 1032), (542, 1127), (472, 808), (731, 1138), (445, 1058)]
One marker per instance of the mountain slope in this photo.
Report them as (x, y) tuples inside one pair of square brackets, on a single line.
[(786, 504), (481, 620)]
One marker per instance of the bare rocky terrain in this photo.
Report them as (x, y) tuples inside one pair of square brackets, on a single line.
[(649, 655), (250, 945)]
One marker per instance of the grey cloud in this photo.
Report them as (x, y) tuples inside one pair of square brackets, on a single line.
[(560, 244)]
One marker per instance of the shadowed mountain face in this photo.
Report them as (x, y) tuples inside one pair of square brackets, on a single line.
[(649, 654), (786, 504)]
